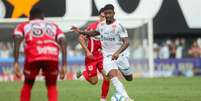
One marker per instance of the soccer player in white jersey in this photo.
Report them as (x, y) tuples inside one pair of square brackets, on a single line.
[(114, 40)]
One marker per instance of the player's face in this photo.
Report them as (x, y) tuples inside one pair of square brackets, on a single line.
[(102, 16), (109, 15)]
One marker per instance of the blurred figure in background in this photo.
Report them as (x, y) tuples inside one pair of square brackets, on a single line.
[(195, 50), (164, 52)]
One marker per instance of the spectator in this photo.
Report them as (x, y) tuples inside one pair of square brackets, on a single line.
[(179, 49), (5, 52), (164, 52), (194, 51)]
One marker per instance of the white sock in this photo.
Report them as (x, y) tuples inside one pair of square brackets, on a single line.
[(119, 86), (102, 99)]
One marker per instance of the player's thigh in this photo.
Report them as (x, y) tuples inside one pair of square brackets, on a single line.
[(108, 65), (99, 65), (91, 68), (93, 80), (31, 69), (100, 68), (50, 70)]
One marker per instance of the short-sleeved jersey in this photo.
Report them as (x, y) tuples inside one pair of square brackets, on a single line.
[(111, 36), (40, 39), (94, 44)]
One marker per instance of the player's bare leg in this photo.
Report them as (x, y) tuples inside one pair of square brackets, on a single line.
[(113, 75), (128, 77), (105, 88), (94, 80)]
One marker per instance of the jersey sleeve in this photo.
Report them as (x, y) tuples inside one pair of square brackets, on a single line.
[(59, 33), (122, 31), (19, 30), (98, 27)]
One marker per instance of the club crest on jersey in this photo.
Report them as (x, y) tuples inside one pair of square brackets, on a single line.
[(90, 67)]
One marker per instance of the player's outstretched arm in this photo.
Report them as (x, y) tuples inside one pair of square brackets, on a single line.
[(88, 33), (62, 42), (17, 41), (82, 40), (121, 49)]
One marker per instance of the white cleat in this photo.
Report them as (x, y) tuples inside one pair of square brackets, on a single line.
[(129, 99), (102, 99)]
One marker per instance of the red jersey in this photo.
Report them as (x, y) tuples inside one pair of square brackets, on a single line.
[(94, 43), (40, 39)]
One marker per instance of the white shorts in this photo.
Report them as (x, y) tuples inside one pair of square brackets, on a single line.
[(121, 63)]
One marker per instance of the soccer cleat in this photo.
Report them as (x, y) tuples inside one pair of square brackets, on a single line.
[(102, 99), (129, 99), (78, 74)]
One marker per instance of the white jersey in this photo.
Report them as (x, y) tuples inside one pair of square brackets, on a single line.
[(111, 36)]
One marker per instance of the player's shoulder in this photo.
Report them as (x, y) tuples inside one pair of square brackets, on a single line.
[(102, 23), (22, 24), (118, 23), (92, 24)]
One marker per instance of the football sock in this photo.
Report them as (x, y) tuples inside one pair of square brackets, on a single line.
[(105, 88), (102, 99), (119, 86), (26, 91), (52, 93)]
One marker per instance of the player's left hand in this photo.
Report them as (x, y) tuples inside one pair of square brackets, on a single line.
[(17, 71), (115, 56), (62, 72)]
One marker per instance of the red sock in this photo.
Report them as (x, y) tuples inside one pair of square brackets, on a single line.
[(52, 93), (86, 76), (26, 92), (105, 88)]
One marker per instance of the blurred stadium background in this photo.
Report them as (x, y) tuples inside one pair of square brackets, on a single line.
[(165, 35)]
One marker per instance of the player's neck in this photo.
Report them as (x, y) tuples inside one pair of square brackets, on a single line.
[(110, 22)]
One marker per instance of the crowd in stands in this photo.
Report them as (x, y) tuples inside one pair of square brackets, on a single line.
[(163, 49), (178, 48)]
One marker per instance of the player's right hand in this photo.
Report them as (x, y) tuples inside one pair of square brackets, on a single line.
[(17, 71), (62, 72), (90, 55)]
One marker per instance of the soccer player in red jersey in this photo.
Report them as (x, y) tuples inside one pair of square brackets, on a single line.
[(94, 57), (43, 39)]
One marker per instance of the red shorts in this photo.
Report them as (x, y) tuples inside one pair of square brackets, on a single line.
[(49, 69), (91, 66)]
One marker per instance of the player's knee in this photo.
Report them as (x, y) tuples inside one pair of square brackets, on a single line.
[(51, 80), (128, 77), (113, 73), (29, 81), (94, 80)]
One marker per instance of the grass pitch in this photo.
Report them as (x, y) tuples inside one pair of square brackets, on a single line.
[(156, 89)]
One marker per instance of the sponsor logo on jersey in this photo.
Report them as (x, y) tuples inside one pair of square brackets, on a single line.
[(47, 50)]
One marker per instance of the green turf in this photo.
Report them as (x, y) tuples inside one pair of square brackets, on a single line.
[(157, 89)]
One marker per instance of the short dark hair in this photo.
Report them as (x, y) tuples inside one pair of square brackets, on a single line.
[(36, 13), (101, 11), (109, 7)]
